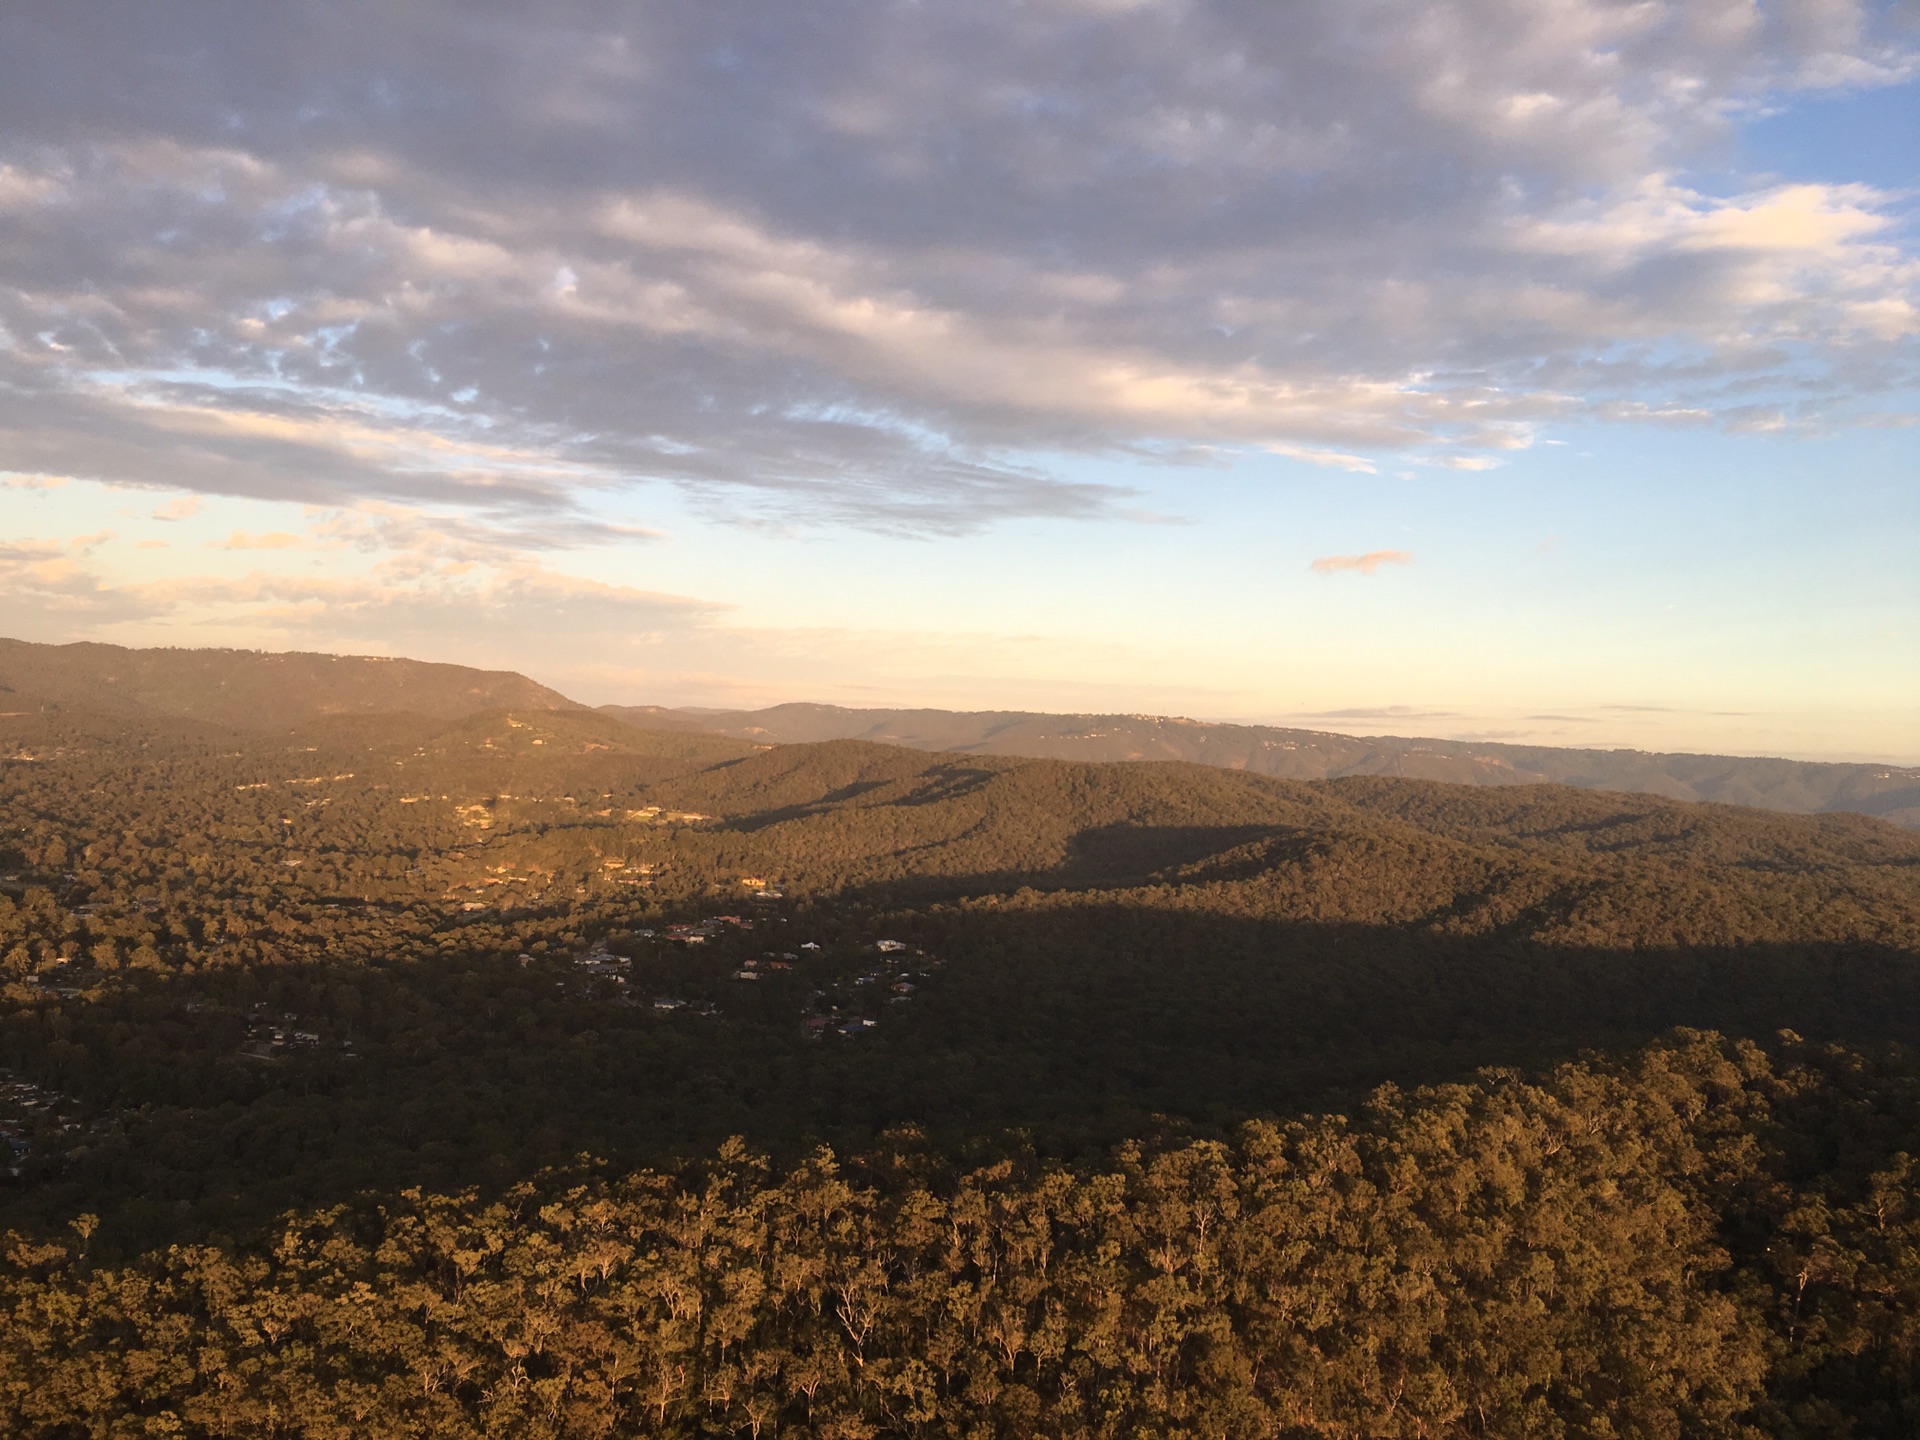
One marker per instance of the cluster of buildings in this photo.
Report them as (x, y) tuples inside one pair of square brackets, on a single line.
[(62, 980), (892, 977), (24, 1109), (268, 1039), (899, 984), (696, 932)]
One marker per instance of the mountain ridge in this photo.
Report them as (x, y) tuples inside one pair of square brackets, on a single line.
[(1891, 792), (251, 690), (254, 689)]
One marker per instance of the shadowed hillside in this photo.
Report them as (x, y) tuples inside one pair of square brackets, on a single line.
[(366, 1075)]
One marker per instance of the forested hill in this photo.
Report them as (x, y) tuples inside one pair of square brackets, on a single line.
[(252, 688), (1801, 786), (376, 1075), (1080, 947)]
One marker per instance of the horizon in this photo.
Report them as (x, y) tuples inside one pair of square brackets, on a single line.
[(1544, 377)]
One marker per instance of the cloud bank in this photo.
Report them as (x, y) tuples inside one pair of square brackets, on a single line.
[(864, 264)]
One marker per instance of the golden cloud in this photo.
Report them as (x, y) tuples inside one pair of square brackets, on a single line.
[(241, 540), (1366, 564)]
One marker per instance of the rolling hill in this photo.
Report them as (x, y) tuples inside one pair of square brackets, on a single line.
[(354, 1046), (257, 690), (1800, 786)]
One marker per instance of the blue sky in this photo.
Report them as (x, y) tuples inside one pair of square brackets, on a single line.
[(1537, 372)]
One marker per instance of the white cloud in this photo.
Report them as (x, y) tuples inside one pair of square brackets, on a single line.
[(1330, 459)]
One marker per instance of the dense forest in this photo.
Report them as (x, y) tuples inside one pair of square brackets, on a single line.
[(518, 1071), (1708, 1241)]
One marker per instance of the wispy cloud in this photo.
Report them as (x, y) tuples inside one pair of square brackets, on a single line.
[(1331, 459), (1366, 564), (398, 583)]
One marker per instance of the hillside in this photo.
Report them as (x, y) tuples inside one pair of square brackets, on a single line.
[(259, 690), (392, 1074), (1800, 786), (1706, 1240), (1082, 946), (254, 689)]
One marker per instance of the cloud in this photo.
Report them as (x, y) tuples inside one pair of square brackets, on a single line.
[(181, 507), (1366, 564), (241, 540), (395, 583), (857, 267), (51, 590), (398, 582), (1333, 459)]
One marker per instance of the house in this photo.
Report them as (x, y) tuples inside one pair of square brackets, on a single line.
[(889, 947)]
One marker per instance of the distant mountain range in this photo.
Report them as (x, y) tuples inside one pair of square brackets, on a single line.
[(257, 690), (1803, 786)]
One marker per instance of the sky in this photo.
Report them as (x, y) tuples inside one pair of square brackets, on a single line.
[(1541, 371)]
